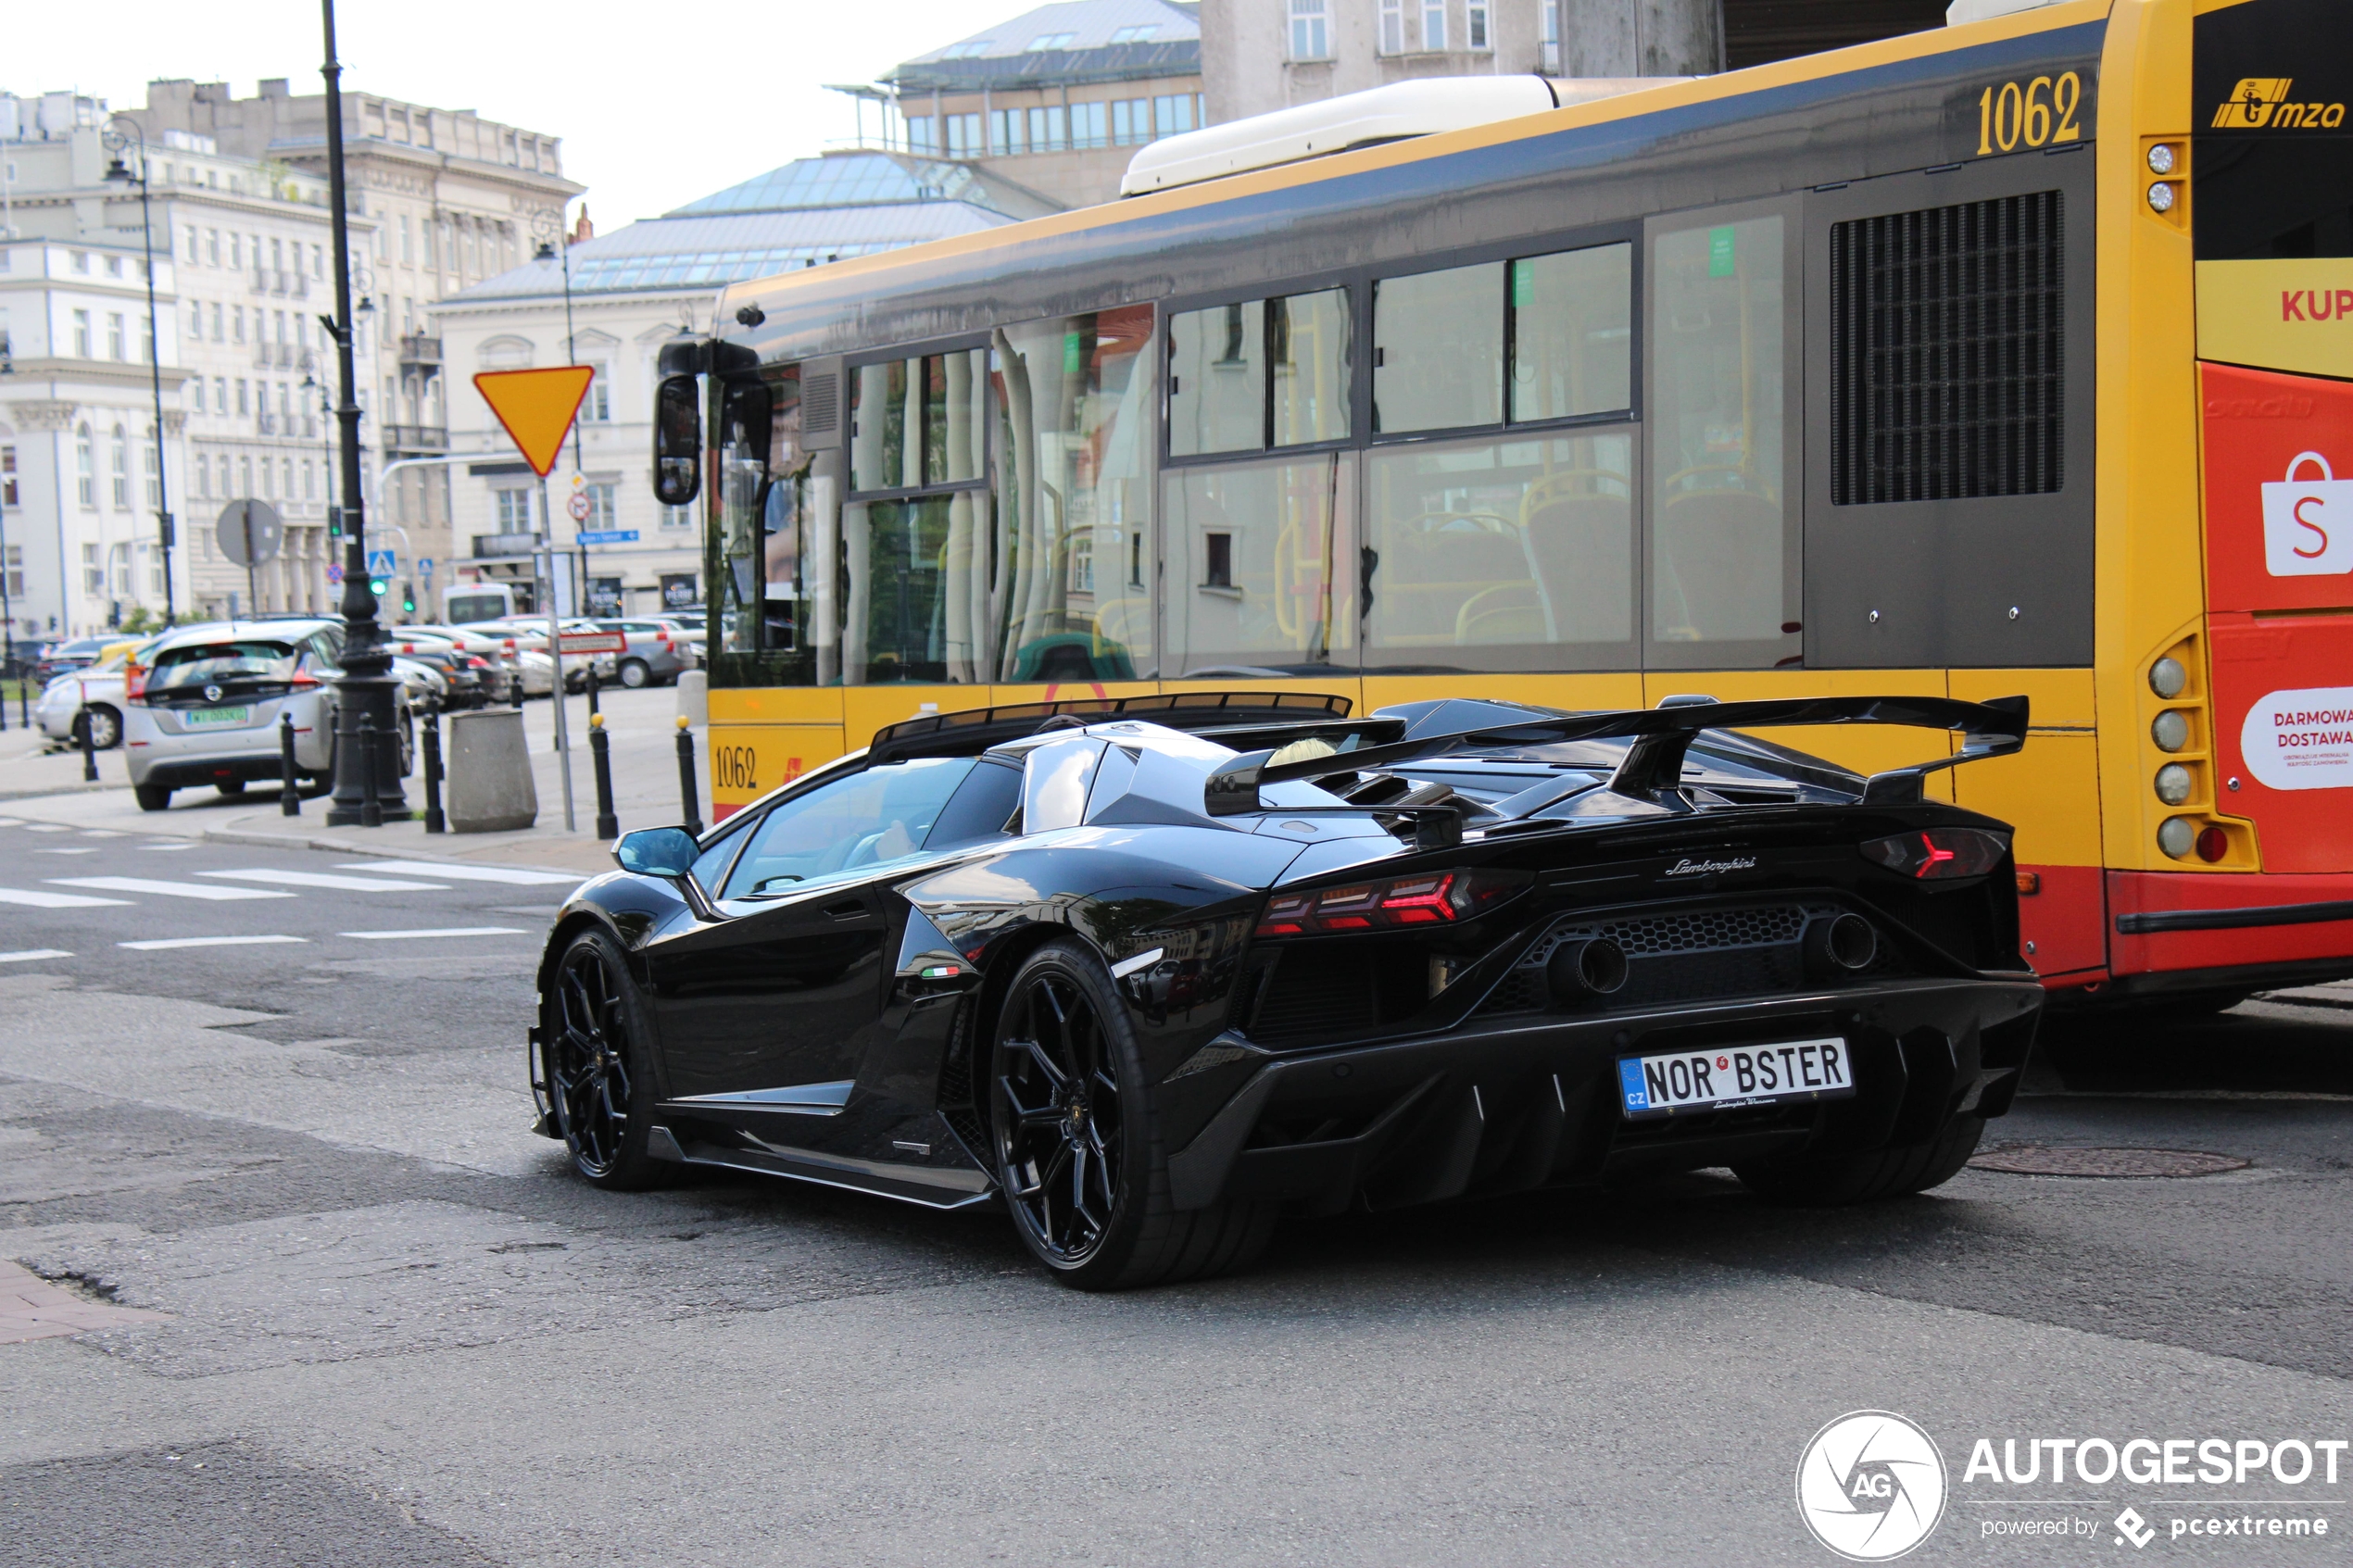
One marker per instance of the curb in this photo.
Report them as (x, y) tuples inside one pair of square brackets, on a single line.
[(254, 837)]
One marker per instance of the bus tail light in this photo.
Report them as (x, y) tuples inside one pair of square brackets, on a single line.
[(1938, 854)]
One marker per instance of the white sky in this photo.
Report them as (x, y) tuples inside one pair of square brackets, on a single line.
[(657, 103)]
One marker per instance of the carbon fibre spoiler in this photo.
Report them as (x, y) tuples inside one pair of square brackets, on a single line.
[(1661, 736)]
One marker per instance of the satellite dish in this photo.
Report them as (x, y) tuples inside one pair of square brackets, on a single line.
[(250, 533)]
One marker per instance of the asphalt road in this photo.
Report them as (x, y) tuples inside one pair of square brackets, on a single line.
[(394, 1330)]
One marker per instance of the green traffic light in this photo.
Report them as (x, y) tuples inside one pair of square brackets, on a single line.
[(377, 586)]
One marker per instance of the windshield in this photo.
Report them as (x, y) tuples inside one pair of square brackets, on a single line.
[(847, 827), (203, 664)]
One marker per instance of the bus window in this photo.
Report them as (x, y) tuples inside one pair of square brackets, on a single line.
[(1073, 593), (758, 426), (1217, 379), (1261, 563), (1718, 497), (1572, 338), (1517, 554), (1307, 349), (1437, 349)]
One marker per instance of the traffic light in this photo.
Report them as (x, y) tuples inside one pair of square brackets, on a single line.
[(378, 585), (408, 598), (335, 523)]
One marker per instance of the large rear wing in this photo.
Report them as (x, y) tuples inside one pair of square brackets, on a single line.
[(1661, 736)]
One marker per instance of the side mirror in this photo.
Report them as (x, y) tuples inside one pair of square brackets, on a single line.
[(677, 440), (657, 851)]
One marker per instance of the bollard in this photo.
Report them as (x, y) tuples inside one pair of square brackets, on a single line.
[(435, 821), (600, 752), (289, 788), (686, 778), (89, 752), (371, 809), (592, 690)]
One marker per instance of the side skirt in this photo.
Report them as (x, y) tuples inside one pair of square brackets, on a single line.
[(925, 1186)]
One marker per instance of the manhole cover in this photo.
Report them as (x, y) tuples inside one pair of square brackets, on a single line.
[(2030, 1160)]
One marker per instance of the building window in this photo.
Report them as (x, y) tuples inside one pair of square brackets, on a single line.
[(203, 479), (245, 473), (1090, 125), (85, 469), (1310, 30), (1175, 113), (116, 345), (237, 322), (151, 463), (1476, 15), (237, 252), (81, 261), (1142, 34), (219, 394), (963, 136), (120, 465), (196, 323), (1048, 129), (196, 393), (677, 517), (597, 407), (16, 567), (242, 406), (94, 576), (217, 330), (1218, 560), (147, 337), (1131, 121), (1006, 132), (310, 480), (1433, 25), (1549, 60), (408, 244), (81, 334), (212, 247), (1048, 41), (514, 510), (8, 476), (603, 508), (919, 128)]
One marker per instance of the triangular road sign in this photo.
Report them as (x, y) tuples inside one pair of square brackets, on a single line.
[(536, 407)]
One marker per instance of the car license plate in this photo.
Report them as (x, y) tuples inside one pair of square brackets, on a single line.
[(204, 717), (1729, 1077)]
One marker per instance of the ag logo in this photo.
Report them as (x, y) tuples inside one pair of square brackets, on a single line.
[(1870, 1486)]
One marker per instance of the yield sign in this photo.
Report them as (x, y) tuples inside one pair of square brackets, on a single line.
[(536, 407)]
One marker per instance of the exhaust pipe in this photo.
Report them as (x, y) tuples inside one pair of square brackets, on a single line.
[(1581, 970), (1842, 945)]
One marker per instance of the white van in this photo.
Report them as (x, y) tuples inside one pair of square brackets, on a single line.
[(465, 603)]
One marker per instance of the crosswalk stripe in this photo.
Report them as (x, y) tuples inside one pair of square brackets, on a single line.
[(453, 931), (165, 889), (100, 833), (165, 847), (160, 944), (515, 874), (321, 879), (46, 827), (32, 954), (35, 898)]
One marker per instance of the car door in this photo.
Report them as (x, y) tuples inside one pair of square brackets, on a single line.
[(765, 1007)]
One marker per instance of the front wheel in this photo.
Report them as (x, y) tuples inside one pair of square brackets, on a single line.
[(105, 726), (635, 674), (1866, 1178), (1077, 1146), (597, 1062)]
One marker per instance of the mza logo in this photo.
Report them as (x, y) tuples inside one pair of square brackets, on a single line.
[(1870, 1486), (2260, 103)]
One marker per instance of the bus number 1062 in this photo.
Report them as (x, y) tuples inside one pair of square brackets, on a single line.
[(2040, 114)]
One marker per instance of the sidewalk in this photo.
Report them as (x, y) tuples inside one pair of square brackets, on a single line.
[(642, 725)]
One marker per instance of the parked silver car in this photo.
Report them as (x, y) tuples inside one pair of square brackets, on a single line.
[(655, 654), (95, 689), (202, 707)]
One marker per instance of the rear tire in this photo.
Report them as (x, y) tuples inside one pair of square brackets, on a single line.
[(598, 1063), (105, 726), (152, 798), (1076, 1144), (1867, 1178), (230, 788)]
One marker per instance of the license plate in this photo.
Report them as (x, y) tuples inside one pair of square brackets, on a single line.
[(1730, 1077), (218, 716)]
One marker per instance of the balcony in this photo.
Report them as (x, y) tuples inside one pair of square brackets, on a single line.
[(420, 351), (416, 440), (268, 424), (273, 355), (280, 283)]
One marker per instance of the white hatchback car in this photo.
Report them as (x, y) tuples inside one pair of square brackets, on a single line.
[(202, 707)]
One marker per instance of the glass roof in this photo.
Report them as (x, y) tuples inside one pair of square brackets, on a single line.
[(843, 180)]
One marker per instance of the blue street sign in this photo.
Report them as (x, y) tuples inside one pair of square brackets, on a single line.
[(382, 563), (608, 535), (425, 567)]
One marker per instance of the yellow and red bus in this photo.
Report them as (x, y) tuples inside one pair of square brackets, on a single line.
[(2011, 358)]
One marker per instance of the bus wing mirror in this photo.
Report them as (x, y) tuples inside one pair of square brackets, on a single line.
[(677, 440)]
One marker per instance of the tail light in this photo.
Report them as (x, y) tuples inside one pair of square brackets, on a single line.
[(1938, 854), (475, 661), (134, 682), (1430, 898), (303, 677)]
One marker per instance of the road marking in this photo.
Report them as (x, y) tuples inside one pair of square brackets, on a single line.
[(46, 827), (40, 900), (515, 874), (100, 833), (321, 879), (167, 847), (10, 822), (34, 955), (160, 944), (452, 931), (164, 889), (79, 851)]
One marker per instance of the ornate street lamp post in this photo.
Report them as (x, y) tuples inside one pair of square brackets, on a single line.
[(118, 143), (366, 689)]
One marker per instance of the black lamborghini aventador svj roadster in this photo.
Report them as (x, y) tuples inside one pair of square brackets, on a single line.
[(1152, 972)]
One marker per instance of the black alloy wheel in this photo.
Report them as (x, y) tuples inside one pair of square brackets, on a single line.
[(1058, 1118), (596, 1066), (1079, 1153)]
